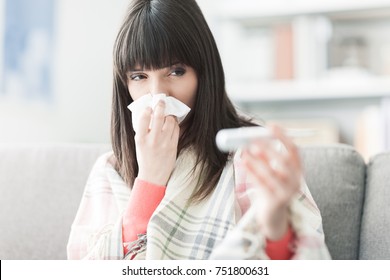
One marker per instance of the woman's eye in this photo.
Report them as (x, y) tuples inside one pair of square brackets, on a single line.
[(178, 71), (137, 77)]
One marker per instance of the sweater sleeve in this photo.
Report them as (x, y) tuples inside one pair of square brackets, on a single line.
[(144, 199)]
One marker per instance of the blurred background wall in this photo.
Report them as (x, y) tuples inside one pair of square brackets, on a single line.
[(322, 65), (75, 105)]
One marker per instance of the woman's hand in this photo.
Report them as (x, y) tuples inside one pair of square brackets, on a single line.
[(156, 147), (277, 175)]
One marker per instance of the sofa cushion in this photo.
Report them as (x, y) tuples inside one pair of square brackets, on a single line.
[(335, 176), (375, 238), (41, 188)]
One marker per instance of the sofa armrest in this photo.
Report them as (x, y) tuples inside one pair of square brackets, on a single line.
[(336, 178), (41, 188), (375, 237)]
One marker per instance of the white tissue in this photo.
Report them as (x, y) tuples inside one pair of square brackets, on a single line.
[(173, 107)]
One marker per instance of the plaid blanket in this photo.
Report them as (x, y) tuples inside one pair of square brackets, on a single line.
[(222, 226)]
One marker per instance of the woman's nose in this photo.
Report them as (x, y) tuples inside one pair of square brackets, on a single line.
[(159, 86)]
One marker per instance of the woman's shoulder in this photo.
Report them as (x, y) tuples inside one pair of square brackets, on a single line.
[(104, 172), (106, 159), (106, 162)]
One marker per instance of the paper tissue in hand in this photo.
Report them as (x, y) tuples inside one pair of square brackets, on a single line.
[(173, 107)]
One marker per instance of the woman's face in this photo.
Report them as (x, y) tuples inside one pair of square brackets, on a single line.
[(178, 80)]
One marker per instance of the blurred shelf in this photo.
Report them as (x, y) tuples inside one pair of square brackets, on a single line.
[(269, 10), (309, 90)]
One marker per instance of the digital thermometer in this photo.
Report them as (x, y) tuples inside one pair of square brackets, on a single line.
[(231, 139)]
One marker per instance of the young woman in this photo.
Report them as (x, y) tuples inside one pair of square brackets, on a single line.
[(166, 191)]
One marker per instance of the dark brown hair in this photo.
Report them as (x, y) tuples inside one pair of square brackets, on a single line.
[(154, 35)]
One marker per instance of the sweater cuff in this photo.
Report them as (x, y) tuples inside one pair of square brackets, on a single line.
[(139, 183), (280, 249)]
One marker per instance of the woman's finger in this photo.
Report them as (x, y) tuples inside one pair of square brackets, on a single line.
[(175, 134), (143, 125), (291, 148), (169, 126), (260, 170), (158, 117)]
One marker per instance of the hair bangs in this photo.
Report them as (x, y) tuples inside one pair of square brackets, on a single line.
[(151, 43)]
